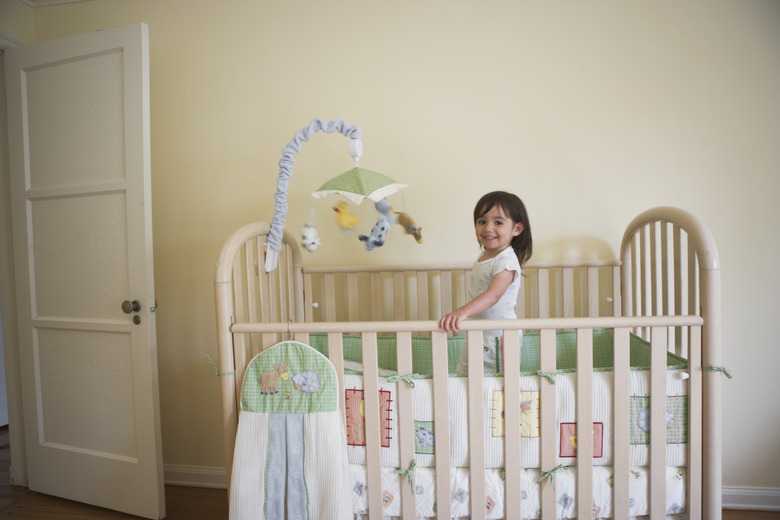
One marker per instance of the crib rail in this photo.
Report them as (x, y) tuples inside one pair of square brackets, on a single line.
[(659, 328)]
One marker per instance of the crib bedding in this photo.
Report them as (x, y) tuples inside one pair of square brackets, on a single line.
[(566, 352), (565, 384), (425, 427), (424, 485)]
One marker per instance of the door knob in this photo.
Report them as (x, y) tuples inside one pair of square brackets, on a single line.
[(131, 306)]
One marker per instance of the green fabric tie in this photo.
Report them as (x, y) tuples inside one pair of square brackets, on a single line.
[(408, 471), (722, 370), (549, 474), (409, 380), (216, 371), (550, 377)]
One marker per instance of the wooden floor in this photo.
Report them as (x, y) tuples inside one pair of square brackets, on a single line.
[(182, 503)]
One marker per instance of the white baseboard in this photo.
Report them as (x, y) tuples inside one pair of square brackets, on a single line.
[(734, 497), (763, 499), (193, 476)]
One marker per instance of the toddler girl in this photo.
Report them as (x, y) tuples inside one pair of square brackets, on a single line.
[(504, 233)]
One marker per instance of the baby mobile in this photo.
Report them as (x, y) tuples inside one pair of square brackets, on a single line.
[(354, 185)]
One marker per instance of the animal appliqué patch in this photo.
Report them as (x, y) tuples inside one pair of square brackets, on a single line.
[(424, 437), (529, 413), (675, 416), (356, 417), (569, 440), (270, 380)]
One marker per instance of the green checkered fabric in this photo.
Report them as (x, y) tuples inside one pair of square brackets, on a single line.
[(305, 368), (566, 352), (676, 420), (386, 351)]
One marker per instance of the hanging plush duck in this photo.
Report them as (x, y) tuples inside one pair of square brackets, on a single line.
[(345, 220)]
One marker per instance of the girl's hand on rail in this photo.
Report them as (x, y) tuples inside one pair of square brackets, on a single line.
[(451, 322)]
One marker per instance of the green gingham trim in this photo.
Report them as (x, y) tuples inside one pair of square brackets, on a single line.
[(566, 352), (318, 395)]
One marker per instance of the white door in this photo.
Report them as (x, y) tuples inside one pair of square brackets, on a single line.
[(78, 114)]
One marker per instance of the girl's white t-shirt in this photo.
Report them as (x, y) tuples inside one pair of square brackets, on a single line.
[(482, 274), (504, 309)]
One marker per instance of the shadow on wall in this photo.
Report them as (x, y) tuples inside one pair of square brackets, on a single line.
[(572, 248)]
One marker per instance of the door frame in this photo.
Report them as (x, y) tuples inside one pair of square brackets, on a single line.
[(18, 469)]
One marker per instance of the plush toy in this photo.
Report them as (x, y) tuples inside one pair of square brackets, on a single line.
[(410, 227), (383, 224), (310, 239), (345, 219)]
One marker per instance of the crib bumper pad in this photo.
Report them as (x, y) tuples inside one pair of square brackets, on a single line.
[(493, 403), (424, 488), (290, 457)]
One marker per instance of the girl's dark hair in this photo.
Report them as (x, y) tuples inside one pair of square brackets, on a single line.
[(515, 209)]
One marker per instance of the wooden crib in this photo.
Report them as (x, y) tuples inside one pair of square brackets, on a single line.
[(663, 289)]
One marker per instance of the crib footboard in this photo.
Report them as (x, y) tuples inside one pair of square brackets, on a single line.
[(396, 464)]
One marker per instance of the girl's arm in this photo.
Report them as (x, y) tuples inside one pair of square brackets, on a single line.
[(498, 286)]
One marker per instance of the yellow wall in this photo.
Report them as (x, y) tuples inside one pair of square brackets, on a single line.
[(16, 19), (591, 112)]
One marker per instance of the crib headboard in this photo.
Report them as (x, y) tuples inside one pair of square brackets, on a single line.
[(670, 266)]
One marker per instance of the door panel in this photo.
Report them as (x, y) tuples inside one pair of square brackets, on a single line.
[(80, 196)]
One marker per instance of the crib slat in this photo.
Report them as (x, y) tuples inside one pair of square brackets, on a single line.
[(621, 424), (446, 292), (593, 291), (267, 298), (376, 296), (512, 424), (658, 345), (399, 297), (544, 292), (352, 297), (373, 432), (568, 292), (665, 296), (520, 306), (422, 295), (441, 414), (336, 356), (476, 425), (406, 421), (584, 421), (548, 420), (678, 281), (251, 274), (617, 302), (308, 299), (692, 289), (695, 425), (654, 279), (330, 296)]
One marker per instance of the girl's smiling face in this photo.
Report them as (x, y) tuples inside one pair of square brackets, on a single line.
[(495, 231)]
